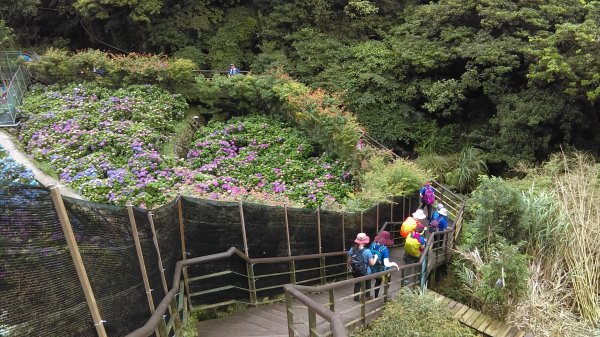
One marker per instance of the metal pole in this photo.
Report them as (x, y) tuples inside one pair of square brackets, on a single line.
[(65, 223), (322, 259), (361, 222)]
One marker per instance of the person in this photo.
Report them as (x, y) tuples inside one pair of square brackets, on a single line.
[(427, 198), (233, 70), (3, 93), (413, 247), (380, 243), (360, 260), (442, 219), (410, 223)]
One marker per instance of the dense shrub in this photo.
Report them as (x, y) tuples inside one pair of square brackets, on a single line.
[(414, 315)]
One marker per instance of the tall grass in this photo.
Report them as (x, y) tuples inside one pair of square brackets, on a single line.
[(578, 190), (563, 225)]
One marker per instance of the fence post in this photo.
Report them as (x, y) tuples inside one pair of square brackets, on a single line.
[(363, 304), (377, 220), (292, 264), (160, 264), (312, 323), (185, 290), (391, 208), (140, 256), (249, 265), (65, 223), (322, 259), (361, 222), (290, 314)]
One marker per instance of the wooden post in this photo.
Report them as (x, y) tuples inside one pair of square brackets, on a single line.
[(343, 232), (292, 264), (377, 220), (391, 208), (361, 222), (249, 266), (140, 256), (403, 208), (77, 261), (160, 264), (243, 222), (290, 314), (185, 290), (322, 259)]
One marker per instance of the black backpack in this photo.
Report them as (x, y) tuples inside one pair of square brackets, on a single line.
[(359, 267)]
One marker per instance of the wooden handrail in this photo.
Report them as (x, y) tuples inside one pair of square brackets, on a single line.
[(148, 328)]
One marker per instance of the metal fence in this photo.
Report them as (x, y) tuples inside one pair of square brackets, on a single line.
[(14, 78)]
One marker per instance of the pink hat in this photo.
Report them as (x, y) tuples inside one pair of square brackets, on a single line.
[(385, 238), (362, 238)]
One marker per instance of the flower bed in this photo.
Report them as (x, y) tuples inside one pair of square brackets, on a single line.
[(104, 144), (12, 171), (262, 156)]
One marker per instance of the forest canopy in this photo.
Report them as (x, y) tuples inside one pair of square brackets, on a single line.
[(515, 79)]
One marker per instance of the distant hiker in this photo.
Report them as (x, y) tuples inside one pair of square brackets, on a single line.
[(360, 260), (410, 223), (427, 197), (3, 93), (379, 248), (233, 70)]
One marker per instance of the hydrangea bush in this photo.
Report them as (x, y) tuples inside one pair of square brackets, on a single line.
[(260, 154), (105, 145), (12, 171)]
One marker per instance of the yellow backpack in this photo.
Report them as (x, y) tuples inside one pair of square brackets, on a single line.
[(412, 246)]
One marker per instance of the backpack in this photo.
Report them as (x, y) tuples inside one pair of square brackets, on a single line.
[(409, 225), (429, 196), (379, 266), (412, 246), (359, 267), (434, 226)]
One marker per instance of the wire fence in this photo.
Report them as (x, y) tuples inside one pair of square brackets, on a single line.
[(14, 79), (128, 256)]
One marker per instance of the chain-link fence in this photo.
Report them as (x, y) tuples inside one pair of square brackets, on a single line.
[(41, 293)]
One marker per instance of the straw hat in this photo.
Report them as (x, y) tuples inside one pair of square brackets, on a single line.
[(419, 215), (362, 238)]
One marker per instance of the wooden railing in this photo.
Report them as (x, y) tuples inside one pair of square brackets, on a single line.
[(176, 300), (437, 252)]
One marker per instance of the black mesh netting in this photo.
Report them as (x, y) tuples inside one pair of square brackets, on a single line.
[(40, 293), (213, 227), (107, 248)]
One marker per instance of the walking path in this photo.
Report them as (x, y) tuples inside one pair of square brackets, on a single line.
[(480, 322), (44, 179), (271, 320)]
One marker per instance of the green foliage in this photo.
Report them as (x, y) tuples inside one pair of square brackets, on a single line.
[(234, 40), (493, 215), (413, 314), (468, 168), (139, 10), (7, 36), (380, 180)]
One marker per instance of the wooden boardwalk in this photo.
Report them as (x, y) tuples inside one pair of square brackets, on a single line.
[(478, 321), (271, 320)]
